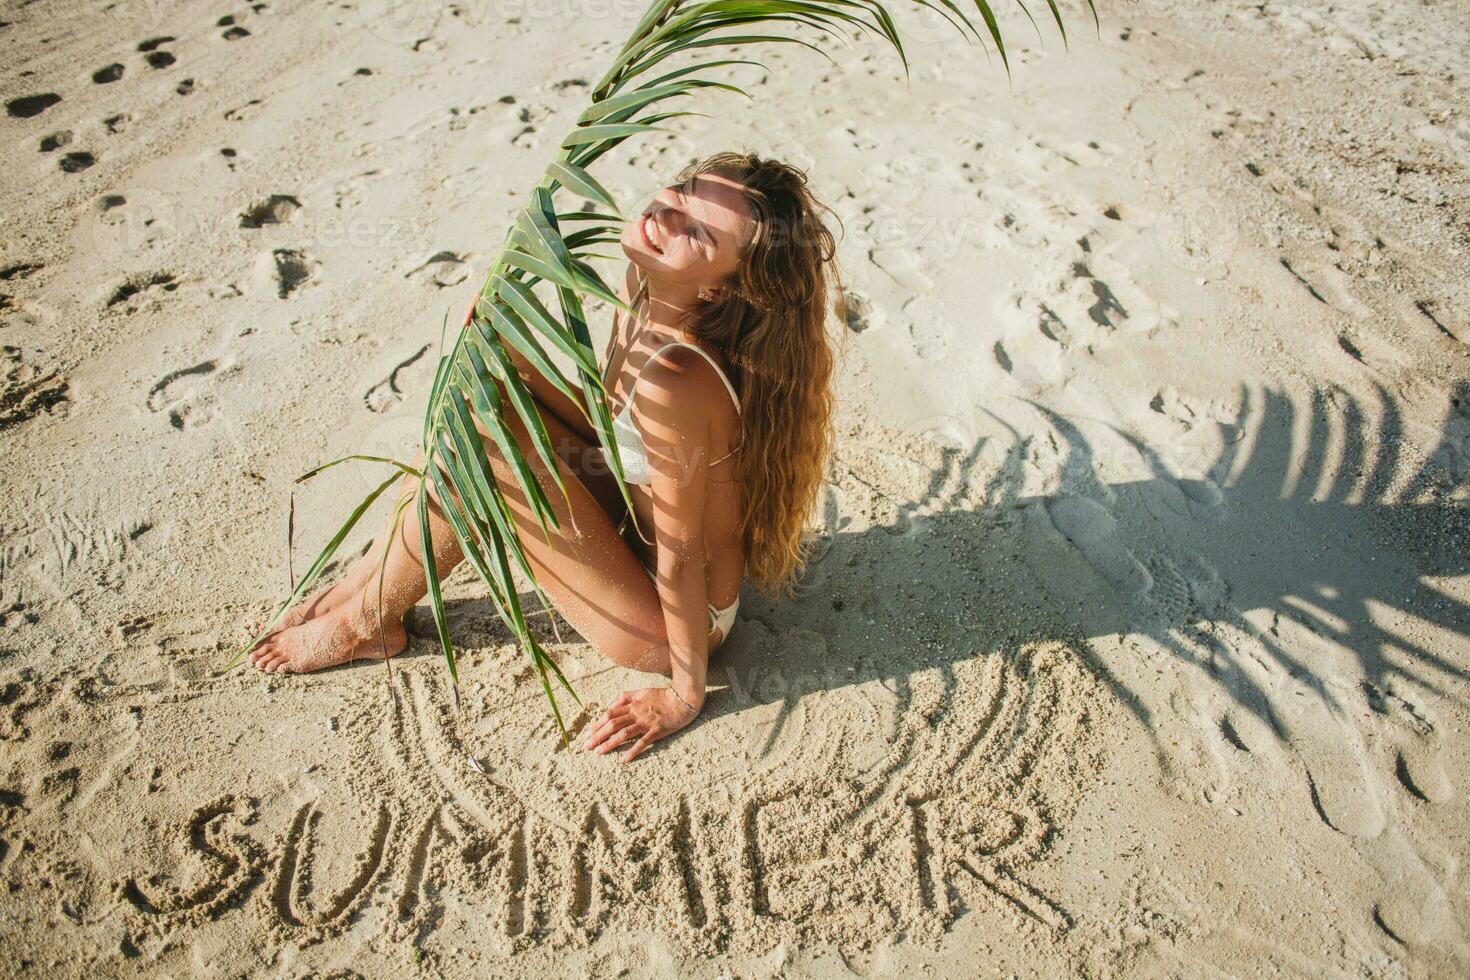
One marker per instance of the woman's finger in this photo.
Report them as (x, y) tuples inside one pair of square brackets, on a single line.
[(616, 711), (618, 738), (611, 722), (638, 747), (606, 727)]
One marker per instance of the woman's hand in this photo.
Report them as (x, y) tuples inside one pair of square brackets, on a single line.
[(647, 715), (469, 312)]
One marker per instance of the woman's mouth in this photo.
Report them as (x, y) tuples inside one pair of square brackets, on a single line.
[(647, 229)]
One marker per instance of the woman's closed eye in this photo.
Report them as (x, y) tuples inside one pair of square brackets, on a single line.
[(705, 243)]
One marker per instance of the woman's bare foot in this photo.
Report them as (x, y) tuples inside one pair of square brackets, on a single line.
[(324, 601), (328, 639)]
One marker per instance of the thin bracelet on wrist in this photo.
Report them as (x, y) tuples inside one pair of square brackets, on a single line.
[(682, 701)]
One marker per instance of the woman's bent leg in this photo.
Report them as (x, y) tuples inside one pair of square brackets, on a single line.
[(587, 570), (579, 449), (350, 629)]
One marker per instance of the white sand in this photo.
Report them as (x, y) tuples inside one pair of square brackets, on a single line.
[(1139, 640)]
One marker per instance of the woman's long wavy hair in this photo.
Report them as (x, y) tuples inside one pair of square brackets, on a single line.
[(772, 326)]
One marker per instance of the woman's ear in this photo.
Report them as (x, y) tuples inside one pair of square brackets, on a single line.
[(711, 293)]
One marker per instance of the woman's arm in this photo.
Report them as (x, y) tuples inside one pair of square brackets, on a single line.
[(675, 420), (673, 409)]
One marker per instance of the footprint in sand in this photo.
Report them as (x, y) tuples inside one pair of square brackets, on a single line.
[(349, 192), (1169, 495), (1193, 233), (1105, 297), (1412, 733), (1168, 403), (186, 396), (154, 54), (278, 209), (76, 161), (861, 316), (1340, 778), (444, 269), (928, 329), (31, 105), (246, 112), (1094, 532), (133, 221), (1426, 314), (20, 270), (1326, 284), (902, 265), (26, 390), (1170, 591), (1025, 350), (134, 291), (386, 394), (286, 270), (232, 158)]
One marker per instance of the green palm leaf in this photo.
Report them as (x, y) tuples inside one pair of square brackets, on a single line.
[(477, 379)]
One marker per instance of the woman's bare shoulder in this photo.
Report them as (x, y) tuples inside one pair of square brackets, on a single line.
[(683, 378)]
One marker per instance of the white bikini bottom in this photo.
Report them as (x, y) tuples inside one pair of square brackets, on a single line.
[(720, 619)]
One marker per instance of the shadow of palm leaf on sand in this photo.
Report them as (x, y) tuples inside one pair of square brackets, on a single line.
[(1290, 559), (1315, 512)]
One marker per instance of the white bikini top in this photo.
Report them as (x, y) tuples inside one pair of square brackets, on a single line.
[(631, 449)]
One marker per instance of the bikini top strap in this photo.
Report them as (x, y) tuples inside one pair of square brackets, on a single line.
[(679, 343), (728, 386)]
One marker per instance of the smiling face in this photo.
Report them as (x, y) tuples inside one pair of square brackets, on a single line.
[(691, 234)]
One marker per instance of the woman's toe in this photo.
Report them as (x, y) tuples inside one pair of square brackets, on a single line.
[(269, 657)]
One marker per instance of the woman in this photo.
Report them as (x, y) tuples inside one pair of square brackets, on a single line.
[(720, 387)]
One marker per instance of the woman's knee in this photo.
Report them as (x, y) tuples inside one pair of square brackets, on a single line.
[(651, 658), (637, 653)]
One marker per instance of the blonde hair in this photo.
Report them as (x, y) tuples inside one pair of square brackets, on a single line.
[(772, 326)]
